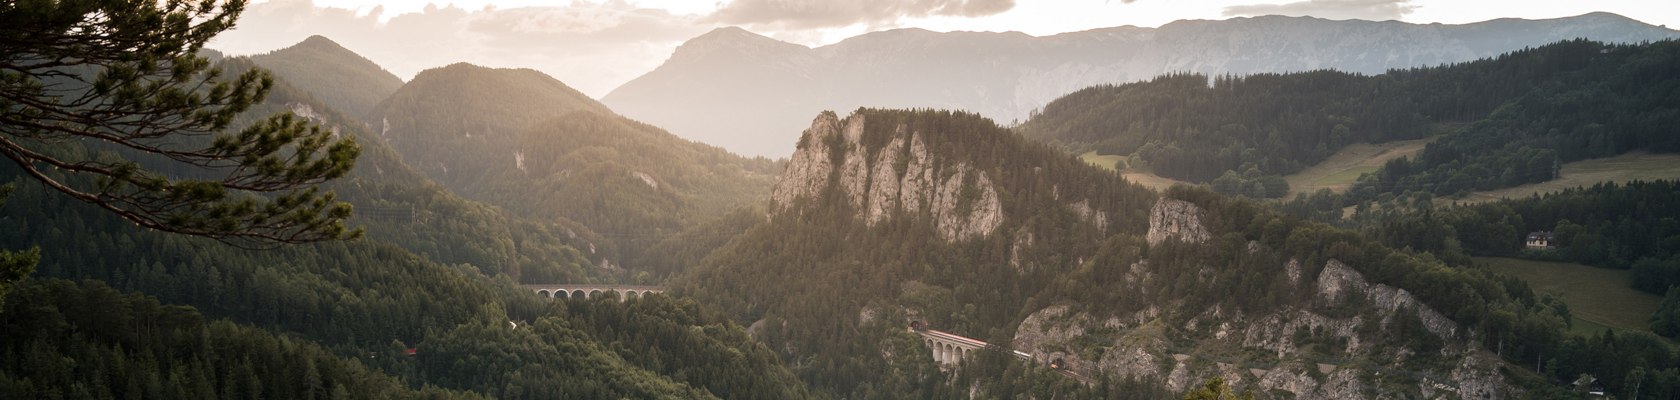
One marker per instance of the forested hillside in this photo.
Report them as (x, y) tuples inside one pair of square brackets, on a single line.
[(890, 216), (526, 142), (397, 205), (336, 76), (1630, 226), (1503, 121), (435, 273)]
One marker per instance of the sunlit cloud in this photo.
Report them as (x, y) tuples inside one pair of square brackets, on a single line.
[(806, 14)]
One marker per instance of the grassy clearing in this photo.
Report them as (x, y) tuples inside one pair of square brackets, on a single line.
[(1339, 171), (1622, 168), (1345, 177), (1101, 160), (1598, 297), (1149, 180)]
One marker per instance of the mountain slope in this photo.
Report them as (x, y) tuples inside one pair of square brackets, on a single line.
[(437, 277), (1502, 121), (526, 142), (341, 79), (747, 93), (886, 217)]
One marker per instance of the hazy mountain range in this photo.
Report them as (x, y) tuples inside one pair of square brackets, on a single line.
[(751, 94)]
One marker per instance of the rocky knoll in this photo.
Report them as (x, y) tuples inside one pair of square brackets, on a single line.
[(901, 177), (1176, 219)]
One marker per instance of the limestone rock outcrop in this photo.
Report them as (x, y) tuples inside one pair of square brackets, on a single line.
[(898, 177), (1176, 219)]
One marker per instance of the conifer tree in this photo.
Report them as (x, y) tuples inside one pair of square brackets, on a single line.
[(126, 78)]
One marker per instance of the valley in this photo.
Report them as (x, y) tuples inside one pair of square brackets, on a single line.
[(834, 205)]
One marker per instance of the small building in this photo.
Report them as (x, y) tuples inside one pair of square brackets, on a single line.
[(1539, 240)]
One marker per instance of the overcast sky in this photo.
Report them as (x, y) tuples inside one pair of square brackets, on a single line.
[(596, 45)]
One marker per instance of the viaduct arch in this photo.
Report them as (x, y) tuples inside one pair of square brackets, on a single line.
[(566, 291)]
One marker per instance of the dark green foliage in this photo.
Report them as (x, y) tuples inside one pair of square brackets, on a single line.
[(1506, 121), (1612, 225), (128, 76), (1216, 389), (361, 297), (64, 340), (1666, 321), (1591, 100), (14, 266), (1249, 185)]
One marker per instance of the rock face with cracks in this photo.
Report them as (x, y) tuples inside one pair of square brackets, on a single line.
[(1176, 219), (901, 177)]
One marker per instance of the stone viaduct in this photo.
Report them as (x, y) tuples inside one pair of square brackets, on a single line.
[(949, 349), (568, 291)]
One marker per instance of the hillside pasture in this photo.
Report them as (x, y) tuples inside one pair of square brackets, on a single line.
[(1597, 297)]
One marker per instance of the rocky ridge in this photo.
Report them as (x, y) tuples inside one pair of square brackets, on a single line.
[(1137, 343)]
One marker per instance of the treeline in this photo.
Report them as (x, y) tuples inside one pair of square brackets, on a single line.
[(1624, 226), (89, 341), (438, 278), (1503, 121), (1604, 100)]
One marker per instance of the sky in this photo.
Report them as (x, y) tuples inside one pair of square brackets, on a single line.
[(597, 45)]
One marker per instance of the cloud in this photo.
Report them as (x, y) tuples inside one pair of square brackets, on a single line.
[(811, 14), (591, 46), (1373, 10)]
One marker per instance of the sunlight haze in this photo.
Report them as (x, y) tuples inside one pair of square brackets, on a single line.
[(597, 46)]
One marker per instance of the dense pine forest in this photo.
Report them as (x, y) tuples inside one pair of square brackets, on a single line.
[(423, 305), (1501, 122)]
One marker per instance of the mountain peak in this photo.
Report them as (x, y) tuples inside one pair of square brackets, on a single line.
[(731, 33), (318, 40), (342, 79), (733, 38)]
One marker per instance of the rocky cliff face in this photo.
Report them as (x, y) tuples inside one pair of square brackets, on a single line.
[(901, 178), (1176, 219)]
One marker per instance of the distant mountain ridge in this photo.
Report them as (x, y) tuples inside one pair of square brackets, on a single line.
[(746, 92)]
